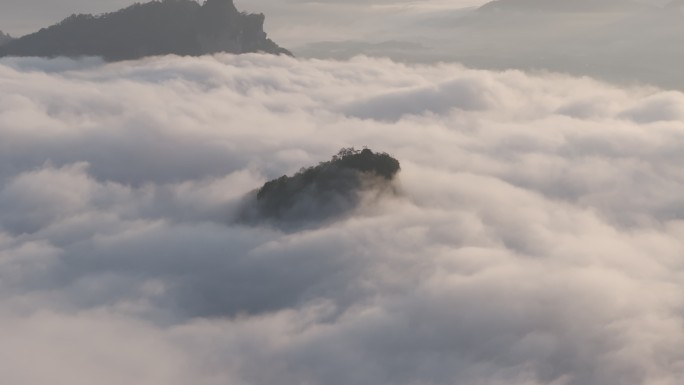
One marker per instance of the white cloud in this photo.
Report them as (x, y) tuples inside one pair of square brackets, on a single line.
[(536, 239)]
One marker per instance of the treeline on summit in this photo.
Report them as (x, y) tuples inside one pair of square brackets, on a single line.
[(181, 27), (323, 191), (326, 174)]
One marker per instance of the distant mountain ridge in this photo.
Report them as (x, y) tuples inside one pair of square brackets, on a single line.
[(182, 27)]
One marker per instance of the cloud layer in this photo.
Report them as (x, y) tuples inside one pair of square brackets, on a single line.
[(536, 239)]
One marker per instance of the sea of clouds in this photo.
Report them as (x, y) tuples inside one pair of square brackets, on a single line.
[(536, 237)]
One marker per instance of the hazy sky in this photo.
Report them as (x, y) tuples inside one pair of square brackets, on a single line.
[(290, 22), (19, 17)]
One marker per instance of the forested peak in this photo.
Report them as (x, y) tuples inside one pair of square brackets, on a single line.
[(325, 191)]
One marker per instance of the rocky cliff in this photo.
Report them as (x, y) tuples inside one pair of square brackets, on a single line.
[(182, 27)]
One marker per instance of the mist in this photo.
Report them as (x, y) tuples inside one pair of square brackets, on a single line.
[(629, 43), (535, 236)]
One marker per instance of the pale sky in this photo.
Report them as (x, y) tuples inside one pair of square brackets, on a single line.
[(289, 22), (19, 17)]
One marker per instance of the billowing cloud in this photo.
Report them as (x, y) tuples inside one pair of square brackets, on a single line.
[(536, 238)]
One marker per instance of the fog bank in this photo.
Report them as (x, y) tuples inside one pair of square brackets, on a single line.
[(537, 239)]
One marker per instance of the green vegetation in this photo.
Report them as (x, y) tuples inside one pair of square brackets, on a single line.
[(325, 174), (327, 189)]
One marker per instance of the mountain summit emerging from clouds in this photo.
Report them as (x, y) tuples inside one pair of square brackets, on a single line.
[(324, 191), (182, 27)]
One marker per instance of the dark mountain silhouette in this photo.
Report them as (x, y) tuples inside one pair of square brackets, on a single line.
[(181, 27), (324, 191), (5, 38)]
